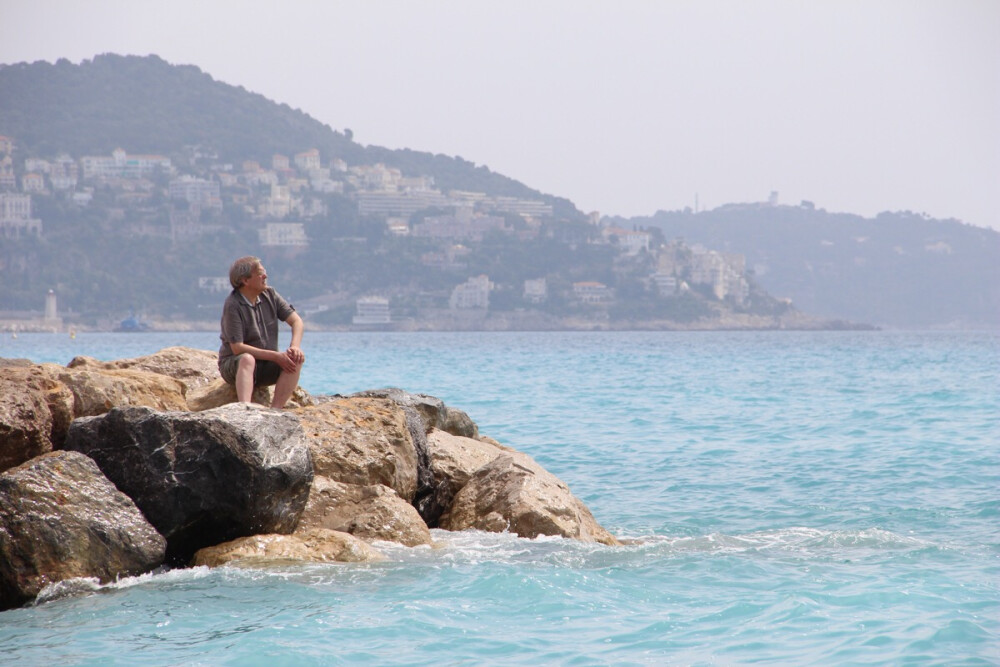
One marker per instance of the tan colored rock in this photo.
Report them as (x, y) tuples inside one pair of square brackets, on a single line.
[(195, 368), (35, 412), (95, 392), (454, 459), (362, 441), (317, 545), (513, 493), (373, 512)]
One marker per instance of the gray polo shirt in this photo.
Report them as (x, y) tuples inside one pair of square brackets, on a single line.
[(255, 325)]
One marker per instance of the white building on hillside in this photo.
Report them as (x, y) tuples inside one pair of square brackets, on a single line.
[(372, 310), (473, 293)]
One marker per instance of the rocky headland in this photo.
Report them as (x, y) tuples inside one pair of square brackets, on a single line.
[(112, 469)]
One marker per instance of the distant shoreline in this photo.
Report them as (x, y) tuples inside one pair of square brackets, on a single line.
[(488, 324)]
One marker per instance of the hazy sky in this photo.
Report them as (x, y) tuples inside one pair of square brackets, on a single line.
[(624, 107)]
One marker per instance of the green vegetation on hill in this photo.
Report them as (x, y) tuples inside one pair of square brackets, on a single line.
[(147, 105)]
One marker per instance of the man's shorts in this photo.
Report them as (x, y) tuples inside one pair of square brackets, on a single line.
[(265, 373)]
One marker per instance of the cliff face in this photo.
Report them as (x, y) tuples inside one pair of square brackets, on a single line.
[(116, 468)]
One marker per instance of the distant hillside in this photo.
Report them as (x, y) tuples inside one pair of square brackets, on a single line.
[(146, 105), (898, 269)]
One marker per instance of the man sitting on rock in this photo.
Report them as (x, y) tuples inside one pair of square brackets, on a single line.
[(249, 357)]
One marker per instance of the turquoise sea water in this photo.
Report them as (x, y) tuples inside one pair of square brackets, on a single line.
[(801, 498)]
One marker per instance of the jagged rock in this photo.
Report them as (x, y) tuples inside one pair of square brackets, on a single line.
[(373, 512), (60, 518), (218, 393), (433, 411), (206, 477), (35, 412), (315, 545), (453, 460), (195, 368), (97, 391), (513, 493), (362, 441)]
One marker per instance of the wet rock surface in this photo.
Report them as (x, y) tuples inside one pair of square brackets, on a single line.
[(60, 518)]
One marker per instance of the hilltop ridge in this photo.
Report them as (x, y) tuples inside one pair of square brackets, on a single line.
[(171, 172)]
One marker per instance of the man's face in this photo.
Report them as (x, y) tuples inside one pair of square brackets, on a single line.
[(257, 280)]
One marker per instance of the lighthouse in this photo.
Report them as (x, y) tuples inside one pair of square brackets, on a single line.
[(51, 309)]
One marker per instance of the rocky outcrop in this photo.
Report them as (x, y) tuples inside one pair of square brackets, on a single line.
[(513, 493), (241, 482), (373, 512), (316, 545), (60, 518), (35, 413), (362, 441), (203, 478)]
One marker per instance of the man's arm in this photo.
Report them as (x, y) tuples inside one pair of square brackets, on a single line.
[(294, 352)]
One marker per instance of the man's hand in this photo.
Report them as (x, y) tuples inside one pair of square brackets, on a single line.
[(291, 359)]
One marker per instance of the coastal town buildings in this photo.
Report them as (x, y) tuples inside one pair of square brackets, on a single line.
[(279, 199)]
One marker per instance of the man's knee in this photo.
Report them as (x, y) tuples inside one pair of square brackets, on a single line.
[(247, 362)]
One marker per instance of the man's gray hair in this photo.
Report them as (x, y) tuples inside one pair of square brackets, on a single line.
[(242, 269)]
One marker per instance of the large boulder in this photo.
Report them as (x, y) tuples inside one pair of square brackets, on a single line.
[(317, 545), (453, 460), (513, 493), (362, 441), (373, 512), (207, 477), (35, 413), (60, 518), (97, 391)]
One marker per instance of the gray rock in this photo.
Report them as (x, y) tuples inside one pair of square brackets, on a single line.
[(207, 477), (60, 518)]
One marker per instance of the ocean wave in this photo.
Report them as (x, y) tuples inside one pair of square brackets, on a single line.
[(794, 540)]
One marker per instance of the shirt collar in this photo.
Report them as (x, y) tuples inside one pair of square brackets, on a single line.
[(247, 301)]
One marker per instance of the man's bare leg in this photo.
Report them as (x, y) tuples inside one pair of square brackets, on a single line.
[(244, 378), (284, 388)]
